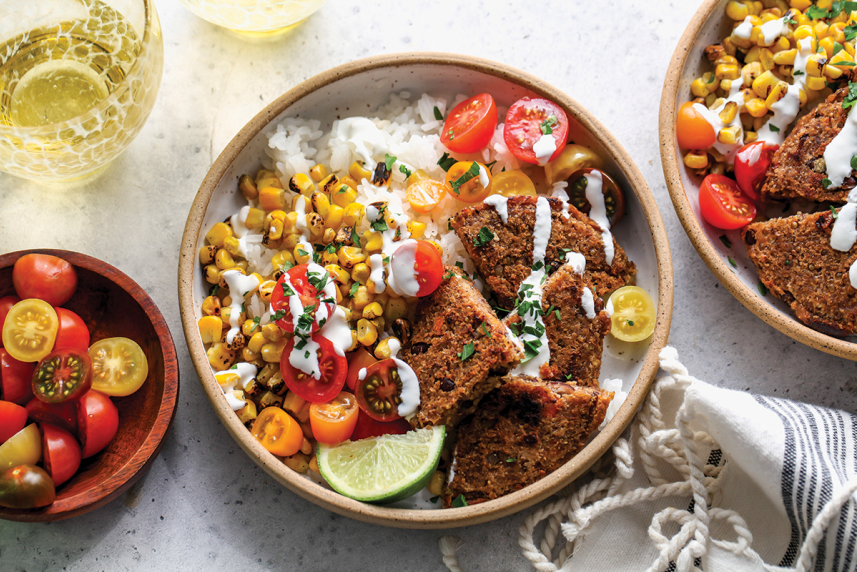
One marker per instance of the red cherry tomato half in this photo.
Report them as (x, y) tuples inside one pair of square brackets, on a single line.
[(331, 369), (357, 360), (6, 303), (527, 121), (98, 421), (13, 418), (61, 453), (416, 268), (692, 130), (751, 165), (722, 203), (26, 486), (308, 284), (16, 379), (368, 427), (44, 277), (428, 267), (469, 126), (72, 333), (379, 392), (60, 414), (62, 375)]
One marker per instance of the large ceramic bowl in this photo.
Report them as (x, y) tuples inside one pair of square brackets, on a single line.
[(358, 88), (111, 304), (709, 26)]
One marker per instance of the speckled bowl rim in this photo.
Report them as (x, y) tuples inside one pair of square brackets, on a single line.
[(672, 165), (440, 518)]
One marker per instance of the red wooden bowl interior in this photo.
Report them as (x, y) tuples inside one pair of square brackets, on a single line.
[(113, 305)]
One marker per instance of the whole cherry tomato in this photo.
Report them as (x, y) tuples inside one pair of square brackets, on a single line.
[(723, 205), (469, 126), (751, 165), (44, 277), (72, 332), (60, 414), (16, 379), (60, 452), (98, 421), (26, 486), (13, 417)]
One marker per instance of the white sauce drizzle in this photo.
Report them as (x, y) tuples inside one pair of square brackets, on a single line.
[(712, 116), (403, 275), (844, 232), (303, 241), (410, 395), (394, 345), (837, 156), (499, 202), (240, 230), (376, 263), (361, 375), (483, 176), (577, 262), (771, 31), (744, 29), (394, 238), (598, 211), (544, 148), (561, 194), (787, 108), (587, 300), (240, 375), (362, 136), (239, 286), (337, 331)]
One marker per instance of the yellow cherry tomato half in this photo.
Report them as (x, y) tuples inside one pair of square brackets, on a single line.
[(573, 159), (119, 366), (692, 129), (425, 194), (278, 432), (634, 314), (333, 422), (469, 181), (22, 448), (513, 184), (30, 330)]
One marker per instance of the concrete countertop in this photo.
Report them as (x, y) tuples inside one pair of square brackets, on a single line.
[(204, 505)]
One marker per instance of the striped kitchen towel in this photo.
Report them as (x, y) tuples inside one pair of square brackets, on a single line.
[(710, 479)]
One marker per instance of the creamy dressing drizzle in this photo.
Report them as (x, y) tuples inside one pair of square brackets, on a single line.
[(239, 286), (240, 375), (544, 148), (483, 176), (787, 109), (771, 31), (712, 116), (598, 211), (305, 357), (403, 277), (837, 156), (587, 301), (376, 263), (577, 262), (240, 230), (401, 274), (744, 29), (362, 136), (559, 192), (303, 241), (500, 205), (410, 395), (609, 307), (337, 331)]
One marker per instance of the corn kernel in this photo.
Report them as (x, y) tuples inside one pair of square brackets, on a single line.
[(696, 160), (272, 332), (334, 217), (766, 58), (800, 4), (359, 172), (320, 202), (814, 64), (301, 255), (353, 213), (248, 187), (827, 44), (289, 243), (763, 84), (416, 229), (315, 225), (699, 88), (373, 310), (218, 233), (350, 257), (360, 273), (361, 298), (297, 462), (344, 195), (756, 107), (816, 83), (273, 351), (786, 57), (293, 402), (737, 11), (777, 93), (255, 218), (210, 329), (206, 254), (394, 309), (272, 198), (256, 341), (212, 274), (750, 136), (220, 357), (301, 184), (329, 258), (367, 333), (337, 273), (318, 172), (373, 241)]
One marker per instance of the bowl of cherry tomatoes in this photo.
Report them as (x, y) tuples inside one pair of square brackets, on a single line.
[(88, 384)]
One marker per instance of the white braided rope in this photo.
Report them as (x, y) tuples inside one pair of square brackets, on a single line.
[(820, 523)]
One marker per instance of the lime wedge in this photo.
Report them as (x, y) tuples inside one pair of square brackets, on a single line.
[(382, 469)]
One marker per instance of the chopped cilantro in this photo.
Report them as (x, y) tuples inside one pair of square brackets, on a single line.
[(711, 78), (449, 274), (850, 32), (434, 499), (301, 343), (548, 124), (287, 266), (459, 502), (213, 290), (472, 172), (773, 128), (490, 165), (446, 162), (825, 182), (484, 237), (405, 170), (330, 248), (437, 114), (851, 98), (386, 260), (449, 224), (837, 47), (557, 314), (353, 290), (833, 212), (316, 257), (355, 238), (511, 460), (389, 160), (234, 366), (797, 73), (537, 266), (467, 351), (732, 262), (460, 264), (854, 162), (256, 321), (380, 225), (725, 240), (450, 134), (278, 315), (630, 322), (762, 290), (287, 290), (303, 252), (816, 13), (531, 349), (569, 377), (306, 354), (484, 329), (787, 262)]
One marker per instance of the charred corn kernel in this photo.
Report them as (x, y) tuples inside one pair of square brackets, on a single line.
[(781, 44), (729, 113), (248, 413), (777, 93), (696, 159), (730, 45), (816, 83), (266, 289), (248, 327), (749, 137), (759, 122), (307, 430), (437, 247), (273, 351), (289, 242), (211, 306), (756, 107), (329, 184), (315, 225), (232, 246), (736, 11), (272, 198), (828, 45), (379, 323), (367, 333), (360, 273), (373, 241), (220, 357), (337, 273), (301, 254), (343, 195), (247, 186), (350, 181), (752, 56), (239, 341), (223, 283), (270, 399), (282, 258), (272, 332), (218, 233), (266, 372), (416, 228), (763, 84), (394, 309), (814, 64), (327, 236), (206, 254), (299, 200), (318, 172), (729, 135), (766, 58), (255, 218), (248, 355), (700, 88), (329, 258), (276, 384), (361, 298), (212, 274), (725, 59), (293, 402), (210, 329), (256, 341), (224, 260), (306, 448), (350, 257), (751, 72), (372, 311), (383, 349), (320, 202), (354, 343), (359, 172), (785, 58), (333, 219), (353, 213), (301, 184), (297, 462), (313, 465), (709, 100)]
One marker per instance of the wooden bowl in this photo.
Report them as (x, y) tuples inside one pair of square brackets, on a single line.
[(710, 25), (358, 88), (112, 305)]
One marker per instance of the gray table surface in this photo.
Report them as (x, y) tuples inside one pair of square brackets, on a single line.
[(204, 505)]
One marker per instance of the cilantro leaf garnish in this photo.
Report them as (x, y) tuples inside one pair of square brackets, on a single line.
[(851, 98), (355, 238), (484, 329), (459, 501), (434, 499), (816, 13), (446, 162), (484, 237), (437, 114), (531, 349), (825, 182), (467, 351), (490, 165), (762, 290), (405, 170), (287, 290), (511, 460), (732, 262), (773, 128), (278, 315), (833, 212), (380, 225), (302, 252), (797, 73), (353, 289), (854, 162), (256, 321), (850, 31), (388, 161), (725, 240), (547, 125), (472, 172)]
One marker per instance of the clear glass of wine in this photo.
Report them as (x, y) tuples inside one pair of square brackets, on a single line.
[(255, 18)]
